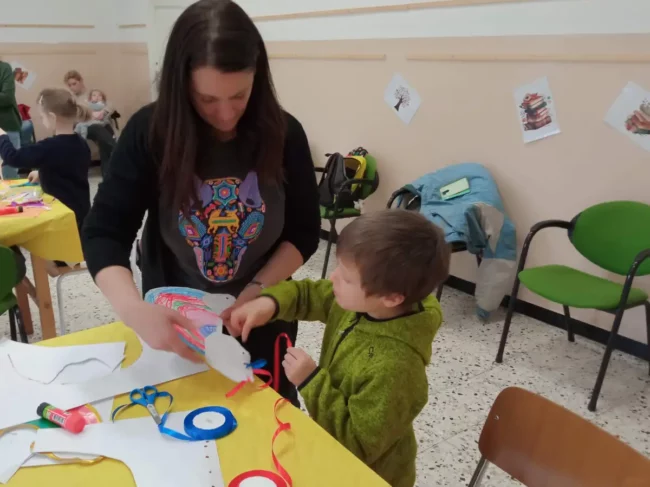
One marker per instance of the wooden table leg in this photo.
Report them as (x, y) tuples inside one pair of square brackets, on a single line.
[(45, 309), (23, 303)]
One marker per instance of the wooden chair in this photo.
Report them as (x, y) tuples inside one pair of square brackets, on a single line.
[(542, 444)]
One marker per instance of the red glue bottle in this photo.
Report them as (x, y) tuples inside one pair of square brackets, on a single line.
[(72, 422)]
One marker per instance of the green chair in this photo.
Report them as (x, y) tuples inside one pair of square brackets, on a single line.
[(8, 280), (367, 185), (614, 236)]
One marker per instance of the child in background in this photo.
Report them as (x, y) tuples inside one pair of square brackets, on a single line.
[(99, 114), (62, 160), (381, 320)]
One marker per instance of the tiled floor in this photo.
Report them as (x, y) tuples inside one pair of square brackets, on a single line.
[(464, 380)]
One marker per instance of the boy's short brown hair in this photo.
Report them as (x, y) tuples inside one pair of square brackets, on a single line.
[(396, 252), (72, 74)]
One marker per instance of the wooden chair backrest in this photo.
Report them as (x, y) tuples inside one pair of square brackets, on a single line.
[(542, 444)]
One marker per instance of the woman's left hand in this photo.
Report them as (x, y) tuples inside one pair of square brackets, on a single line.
[(249, 293)]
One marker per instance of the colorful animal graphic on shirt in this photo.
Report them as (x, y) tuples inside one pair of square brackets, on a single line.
[(229, 218)]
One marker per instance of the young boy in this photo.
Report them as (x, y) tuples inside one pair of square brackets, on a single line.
[(380, 318)]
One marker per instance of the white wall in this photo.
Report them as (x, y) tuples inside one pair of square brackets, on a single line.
[(524, 18), (105, 15)]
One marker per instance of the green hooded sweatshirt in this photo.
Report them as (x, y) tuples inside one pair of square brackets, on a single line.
[(9, 115), (371, 382)]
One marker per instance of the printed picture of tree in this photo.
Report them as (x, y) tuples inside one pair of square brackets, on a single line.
[(403, 97)]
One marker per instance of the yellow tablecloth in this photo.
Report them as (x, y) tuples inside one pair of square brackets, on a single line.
[(312, 457), (52, 235)]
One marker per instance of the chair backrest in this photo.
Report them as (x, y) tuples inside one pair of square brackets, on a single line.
[(542, 444), (371, 173), (612, 234), (8, 271)]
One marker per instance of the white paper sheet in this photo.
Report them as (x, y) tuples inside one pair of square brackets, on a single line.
[(630, 115), (402, 98), (154, 460), (14, 451), (152, 368), (226, 355), (70, 364), (536, 110)]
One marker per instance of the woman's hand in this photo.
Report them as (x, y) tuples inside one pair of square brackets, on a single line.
[(249, 293), (33, 177), (251, 315), (2, 132), (155, 325)]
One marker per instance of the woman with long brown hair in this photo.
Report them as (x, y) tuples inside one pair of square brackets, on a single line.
[(225, 175)]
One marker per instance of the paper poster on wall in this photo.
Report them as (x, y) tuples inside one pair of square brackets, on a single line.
[(630, 114), (24, 77), (536, 110), (402, 98)]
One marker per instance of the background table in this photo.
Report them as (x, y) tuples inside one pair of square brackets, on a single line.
[(52, 235), (311, 455)]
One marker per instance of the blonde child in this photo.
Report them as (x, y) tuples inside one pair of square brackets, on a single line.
[(99, 114), (62, 160), (381, 319)]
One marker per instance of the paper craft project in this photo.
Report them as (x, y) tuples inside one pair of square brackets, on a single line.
[(222, 352), (137, 443), (152, 367), (402, 98), (536, 109), (200, 307), (630, 114), (24, 77)]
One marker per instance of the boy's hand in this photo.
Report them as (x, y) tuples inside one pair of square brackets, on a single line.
[(251, 315), (33, 177), (298, 365)]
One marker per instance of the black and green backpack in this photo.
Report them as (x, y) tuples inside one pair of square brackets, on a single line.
[(340, 171)]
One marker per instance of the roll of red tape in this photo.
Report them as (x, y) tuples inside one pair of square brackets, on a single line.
[(263, 475)]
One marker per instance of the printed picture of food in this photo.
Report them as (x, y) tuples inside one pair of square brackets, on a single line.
[(534, 112), (639, 122)]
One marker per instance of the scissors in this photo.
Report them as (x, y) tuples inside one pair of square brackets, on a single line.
[(147, 397)]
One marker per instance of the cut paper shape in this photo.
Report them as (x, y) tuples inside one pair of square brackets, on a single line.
[(403, 99), (152, 367), (190, 464), (536, 109), (76, 364), (103, 408), (226, 355), (23, 77), (14, 451), (630, 114)]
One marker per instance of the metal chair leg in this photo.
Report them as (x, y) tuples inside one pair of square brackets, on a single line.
[(22, 333), (439, 291), (567, 323), (478, 473), (506, 323), (605, 363), (647, 323), (12, 325), (329, 247)]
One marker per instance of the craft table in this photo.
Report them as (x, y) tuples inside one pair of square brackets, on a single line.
[(311, 456), (51, 235)]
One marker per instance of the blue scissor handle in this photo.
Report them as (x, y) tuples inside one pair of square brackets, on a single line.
[(146, 395)]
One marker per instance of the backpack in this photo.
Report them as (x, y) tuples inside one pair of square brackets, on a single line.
[(338, 171), (407, 198)]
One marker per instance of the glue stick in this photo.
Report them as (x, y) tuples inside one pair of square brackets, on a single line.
[(72, 422)]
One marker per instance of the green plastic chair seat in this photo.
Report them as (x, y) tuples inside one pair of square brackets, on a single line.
[(7, 302), (342, 213), (570, 287)]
